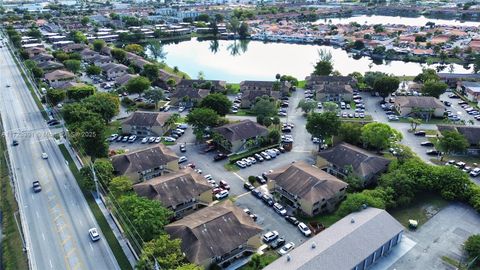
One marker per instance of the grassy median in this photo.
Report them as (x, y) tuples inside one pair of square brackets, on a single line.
[(102, 222), (12, 256)]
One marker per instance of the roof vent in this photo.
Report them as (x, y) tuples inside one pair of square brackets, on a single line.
[(289, 257), (314, 245), (352, 220)]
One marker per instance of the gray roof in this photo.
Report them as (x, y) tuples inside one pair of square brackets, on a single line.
[(344, 244), (472, 86), (364, 163), (49, 65), (307, 182), (266, 85), (185, 83), (334, 89), (242, 130), (143, 160), (173, 188), (419, 102), (192, 93), (147, 119), (125, 78), (316, 80), (59, 75), (213, 231)]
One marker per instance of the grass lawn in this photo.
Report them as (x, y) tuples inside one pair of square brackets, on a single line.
[(168, 143), (12, 255), (431, 121), (326, 219), (406, 78), (113, 128), (423, 207), (102, 222), (265, 259), (301, 84), (233, 88), (231, 167), (243, 112), (181, 74)]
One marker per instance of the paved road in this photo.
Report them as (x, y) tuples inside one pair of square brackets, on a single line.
[(58, 218)]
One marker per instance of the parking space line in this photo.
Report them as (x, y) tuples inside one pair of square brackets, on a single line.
[(243, 194), (241, 178)]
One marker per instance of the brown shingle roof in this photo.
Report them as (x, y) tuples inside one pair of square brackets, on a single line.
[(242, 130), (364, 163), (213, 231), (125, 78), (190, 92), (307, 182), (334, 89), (59, 75), (419, 102), (143, 160), (147, 119), (173, 188)]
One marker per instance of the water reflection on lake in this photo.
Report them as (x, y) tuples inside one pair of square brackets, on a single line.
[(235, 61)]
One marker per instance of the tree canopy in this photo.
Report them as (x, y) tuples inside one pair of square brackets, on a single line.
[(324, 65), (138, 85), (307, 106), (323, 125), (434, 88), (452, 142), (379, 136), (151, 71), (217, 102), (386, 85), (201, 119)]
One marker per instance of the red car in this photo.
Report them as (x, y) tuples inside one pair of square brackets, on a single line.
[(191, 165), (224, 185), (216, 190)]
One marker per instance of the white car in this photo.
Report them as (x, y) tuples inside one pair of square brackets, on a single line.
[(279, 209), (151, 139), (286, 248), (94, 234), (113, 137), (132, 138), (169, 139), (222, 195), (270, 236), (475, 172), (182, 159), (241, 164), (208, 177), (181, 109), (158, 139), (304, 229), (145, 140), (44, 155)]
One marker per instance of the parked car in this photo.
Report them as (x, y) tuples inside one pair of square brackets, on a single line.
[(258, 157), (219, 157), (260, 179), (277, 243), (427, 143), (287, 248), (304, 229), (241, 164), (257, 193), (248, 186), (270, 236), (292, 220), (279, 209), (475, 172), (420, 133), (267, 200), (158, 139), (182, 159), (144, 140), (433, 152), (183, 148), (223, 184), (460, 164), (222, 195), (249, 213), (36, 186), (169, 139)]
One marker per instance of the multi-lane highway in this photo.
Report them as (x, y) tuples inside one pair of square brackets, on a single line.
[(57, 219)]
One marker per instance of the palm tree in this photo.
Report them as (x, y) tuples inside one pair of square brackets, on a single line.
[(172, 120)]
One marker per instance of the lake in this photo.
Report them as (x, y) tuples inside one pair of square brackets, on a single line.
[(235, 61), (414, 21)]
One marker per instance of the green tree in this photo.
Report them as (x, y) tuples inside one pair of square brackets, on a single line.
[(119, 55), (166, 251), (265, 108), (358, 44), (103, 169), (37, 72), (189, 266), (148, 217), (120, 185), (324, 65), (151, 71), (371, 76), (99, 44), (323, 125), (94, 70), (134, 48), (72, 65), (273, 136), (414, 123), (217, 102), (80, 92), (85, 20), (329, 106), (386, 85), (233, 25), (156, 49), (243, 31), (379, 136), (307, 106), (78, 37), (155, 95), (355, 183), (91, 137), (106, 105), (61, 56), (350, 132), (472, 246), (201, 119), (55, 96), (452, 142), (434, 88), (137, 85), (354, 202)]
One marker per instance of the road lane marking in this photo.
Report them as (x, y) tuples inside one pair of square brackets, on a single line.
[(91, 247), (36, 212), (51, 264), (43, 236), (241, 178), (243, 194)]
